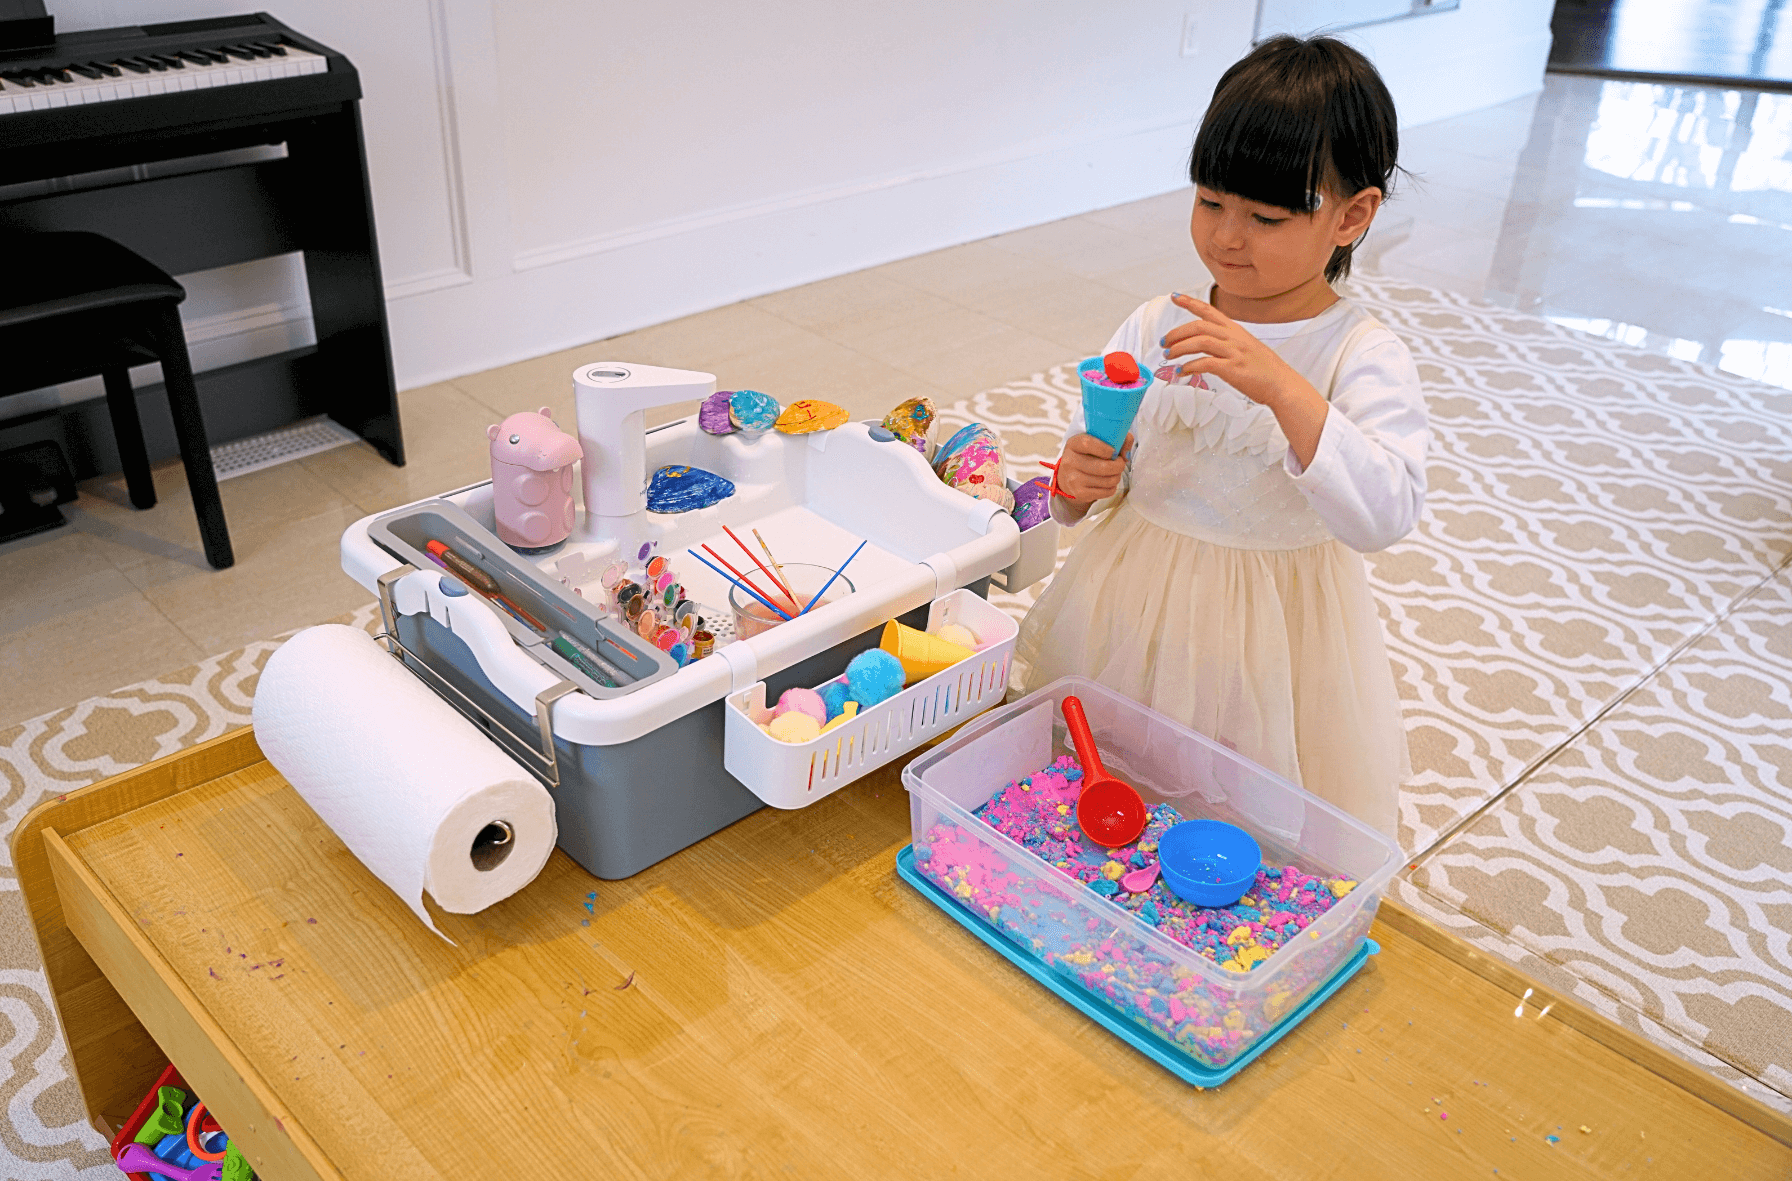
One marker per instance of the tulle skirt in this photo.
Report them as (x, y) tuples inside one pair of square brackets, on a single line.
[(1279, 654)]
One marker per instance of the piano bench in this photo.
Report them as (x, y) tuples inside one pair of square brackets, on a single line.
[(94, 307)]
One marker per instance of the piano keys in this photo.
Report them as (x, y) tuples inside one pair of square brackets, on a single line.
[(116, 77)]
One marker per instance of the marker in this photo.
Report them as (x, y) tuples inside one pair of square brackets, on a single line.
[(482, 582), (587, 661)]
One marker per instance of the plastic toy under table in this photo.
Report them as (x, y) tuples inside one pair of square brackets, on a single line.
[(643, 770)]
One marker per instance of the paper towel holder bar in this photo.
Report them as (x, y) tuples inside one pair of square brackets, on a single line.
[(541, 761)]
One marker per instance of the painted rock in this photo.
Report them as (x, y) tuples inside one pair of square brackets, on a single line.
[(681, 489), (1033, 502), (810, 414), (712, 416), (750, 410), (911, 422), (971, 462)]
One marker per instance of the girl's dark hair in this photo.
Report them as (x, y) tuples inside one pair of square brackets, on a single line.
[(1295, 116)]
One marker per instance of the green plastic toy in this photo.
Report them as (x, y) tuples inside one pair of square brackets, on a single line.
[(165, 1120), (236, 1168)]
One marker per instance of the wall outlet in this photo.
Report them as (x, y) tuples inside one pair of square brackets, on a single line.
[(1191, 35)]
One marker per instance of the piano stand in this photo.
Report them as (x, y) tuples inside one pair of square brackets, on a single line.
[(315, 200)]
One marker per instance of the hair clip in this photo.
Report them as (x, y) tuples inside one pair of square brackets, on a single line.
[(1314, 200)]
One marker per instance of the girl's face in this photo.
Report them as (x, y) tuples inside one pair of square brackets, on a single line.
[(1258, 251)]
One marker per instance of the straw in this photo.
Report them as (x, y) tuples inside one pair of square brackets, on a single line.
[(761, 565), (747, 580), (742, 585), (837, 573), (776, 565)]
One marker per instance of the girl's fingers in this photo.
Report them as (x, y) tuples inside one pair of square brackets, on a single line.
[(1198, 348), (1200, 332), (1205, 311), (1092, 450)]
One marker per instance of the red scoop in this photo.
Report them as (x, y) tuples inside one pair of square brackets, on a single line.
[(1108, 810)]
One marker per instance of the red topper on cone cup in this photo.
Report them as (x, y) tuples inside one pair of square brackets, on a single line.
[(1108, 810)]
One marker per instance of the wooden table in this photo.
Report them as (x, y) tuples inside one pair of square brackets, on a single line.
[(771, 1002)]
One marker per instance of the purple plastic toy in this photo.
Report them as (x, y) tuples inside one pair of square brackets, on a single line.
[(532, 479), (138, 1159), (1032, 502)]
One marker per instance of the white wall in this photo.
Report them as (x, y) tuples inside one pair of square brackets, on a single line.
[(548, 172), (1447, 63)]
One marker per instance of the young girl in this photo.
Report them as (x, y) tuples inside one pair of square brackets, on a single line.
[(1223, 584)]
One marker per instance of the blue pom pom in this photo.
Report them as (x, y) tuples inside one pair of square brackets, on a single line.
[(833, 695), (873, 676)]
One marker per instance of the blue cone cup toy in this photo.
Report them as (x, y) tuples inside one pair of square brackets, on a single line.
[(1108, 412)]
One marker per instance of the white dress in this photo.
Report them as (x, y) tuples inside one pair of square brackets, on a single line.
[(1224, 586)]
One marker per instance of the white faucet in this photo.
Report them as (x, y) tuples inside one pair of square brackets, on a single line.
[(612, 399)]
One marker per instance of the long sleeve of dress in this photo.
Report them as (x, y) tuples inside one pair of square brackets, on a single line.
[(1367, 478)]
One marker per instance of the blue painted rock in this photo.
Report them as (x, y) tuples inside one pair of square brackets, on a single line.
[(971, 462), (750, 410), (712, 416), (911, 422), (808, 415), (681, 489), (1033, 502)]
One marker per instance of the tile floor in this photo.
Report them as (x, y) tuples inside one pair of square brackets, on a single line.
[(1659, 216)]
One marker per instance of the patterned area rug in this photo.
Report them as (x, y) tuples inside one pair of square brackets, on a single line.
[(1594, 645)]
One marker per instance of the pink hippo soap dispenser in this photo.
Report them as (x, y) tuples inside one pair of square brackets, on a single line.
[(532, 479)]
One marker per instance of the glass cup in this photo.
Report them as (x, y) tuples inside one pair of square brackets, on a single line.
[(751, 616)]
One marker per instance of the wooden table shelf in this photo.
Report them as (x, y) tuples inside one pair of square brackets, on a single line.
[(771, 1002)]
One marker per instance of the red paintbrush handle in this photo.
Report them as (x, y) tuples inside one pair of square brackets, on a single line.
[(1078, 725)]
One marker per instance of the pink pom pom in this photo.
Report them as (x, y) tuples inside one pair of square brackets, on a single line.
[(806, 701)]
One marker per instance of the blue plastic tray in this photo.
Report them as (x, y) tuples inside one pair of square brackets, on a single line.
[(1172, 1060)]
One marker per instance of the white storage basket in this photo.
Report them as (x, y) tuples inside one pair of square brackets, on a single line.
[(794, 775)]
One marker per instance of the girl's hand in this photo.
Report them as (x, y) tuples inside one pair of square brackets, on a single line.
[(1221, 347), (1089, 470), (1218, 345)]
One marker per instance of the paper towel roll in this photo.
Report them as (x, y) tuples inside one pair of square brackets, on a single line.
[(414, 790)]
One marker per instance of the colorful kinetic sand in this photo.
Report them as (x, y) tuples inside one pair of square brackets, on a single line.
[(1210, 1020)]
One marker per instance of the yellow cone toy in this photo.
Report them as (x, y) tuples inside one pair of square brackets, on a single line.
[(921, 654)]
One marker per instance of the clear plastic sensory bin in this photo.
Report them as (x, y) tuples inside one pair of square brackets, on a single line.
[(1114, 946)]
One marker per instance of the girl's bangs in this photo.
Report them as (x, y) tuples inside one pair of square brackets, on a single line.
[(1262, 151)]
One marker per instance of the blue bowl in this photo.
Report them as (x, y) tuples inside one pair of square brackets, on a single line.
[(1208, 862)]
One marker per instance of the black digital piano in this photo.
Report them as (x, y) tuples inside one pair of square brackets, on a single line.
[(200, 144)]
